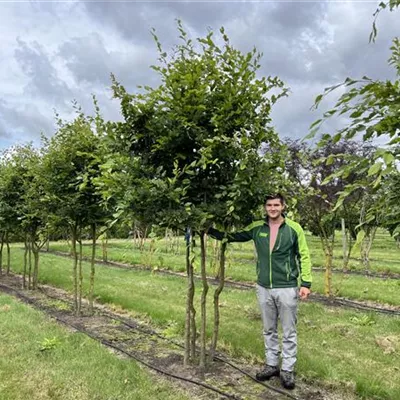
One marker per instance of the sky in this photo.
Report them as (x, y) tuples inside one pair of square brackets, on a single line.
[(55, 52)]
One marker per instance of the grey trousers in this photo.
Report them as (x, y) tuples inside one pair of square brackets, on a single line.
[(282, 304)]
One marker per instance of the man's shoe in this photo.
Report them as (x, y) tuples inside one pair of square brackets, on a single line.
[(287, 379), (267, 373)]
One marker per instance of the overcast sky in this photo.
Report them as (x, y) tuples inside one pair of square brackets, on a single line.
[(53, 52)]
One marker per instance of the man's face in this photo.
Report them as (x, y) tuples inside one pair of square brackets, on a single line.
[(274, 208)]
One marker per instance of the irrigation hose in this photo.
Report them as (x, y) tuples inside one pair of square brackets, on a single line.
[(107, 343), (149, 332), (217, 358)]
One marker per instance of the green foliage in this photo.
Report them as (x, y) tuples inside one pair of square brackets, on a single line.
[(71, 164), (391, 4), (194, 143), (320, 178), (372, 108), (21, 193)]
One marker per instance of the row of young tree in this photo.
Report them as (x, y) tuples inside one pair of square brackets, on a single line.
[(197, 150)]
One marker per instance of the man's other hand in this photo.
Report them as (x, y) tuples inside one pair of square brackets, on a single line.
[(304, 293)]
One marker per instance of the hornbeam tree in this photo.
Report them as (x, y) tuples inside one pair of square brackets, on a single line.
[(70, 166), (196, 145)]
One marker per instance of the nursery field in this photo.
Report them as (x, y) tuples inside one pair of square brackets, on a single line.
[(198, 146), (170, 254), (350, 352), (161, 252)]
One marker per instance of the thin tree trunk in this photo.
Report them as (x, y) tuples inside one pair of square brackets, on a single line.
[(167, 241), (364, 256), (135, 236), (140, 240), (214, 258), (327, 245), (92, 269), (350, 249), (8, 255), (74, 267), (1, 252), (218, 290), (144, 238), (193, 333), (203, 302), (175, 237), (366, 246), (186, 357), (26, 249), (328, 271), (80, 275), (71, 253), (30, 262), (35, 250), (371, 240), (104, 243), (344, 245)]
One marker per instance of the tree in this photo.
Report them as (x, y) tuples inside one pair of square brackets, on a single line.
[(372, 106), (33, 214), (211, 115), (70, 166), (317, 195), (21, 211)]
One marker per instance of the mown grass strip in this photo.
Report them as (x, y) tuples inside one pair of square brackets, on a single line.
[(41, 360), (337, 346), (384, 291), (384, 254)]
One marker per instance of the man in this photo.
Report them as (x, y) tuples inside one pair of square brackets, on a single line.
[(283, 256)]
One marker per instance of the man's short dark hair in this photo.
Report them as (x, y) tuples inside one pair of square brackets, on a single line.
[(275, 196)]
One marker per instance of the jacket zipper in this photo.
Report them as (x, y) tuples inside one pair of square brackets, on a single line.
[(270, 255), (270, 268)]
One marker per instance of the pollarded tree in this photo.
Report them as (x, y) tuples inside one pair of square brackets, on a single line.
[(197, 141)]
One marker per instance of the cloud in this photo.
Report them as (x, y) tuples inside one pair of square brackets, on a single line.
[(91, 60), (53, 53), (26, 121), (37, 66)]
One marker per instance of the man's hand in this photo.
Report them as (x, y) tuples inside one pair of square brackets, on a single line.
[(304, 293)]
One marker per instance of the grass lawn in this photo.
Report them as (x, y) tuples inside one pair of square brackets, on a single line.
[(384, 291), (346, 349), (41, 360), (384, 256)]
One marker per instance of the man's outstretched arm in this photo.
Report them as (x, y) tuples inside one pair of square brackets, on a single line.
[(240, 236)]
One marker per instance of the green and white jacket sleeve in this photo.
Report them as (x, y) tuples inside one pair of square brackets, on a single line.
[(241, 236), (304, 259)]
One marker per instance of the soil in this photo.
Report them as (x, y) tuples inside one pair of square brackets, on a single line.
[(129, 337)]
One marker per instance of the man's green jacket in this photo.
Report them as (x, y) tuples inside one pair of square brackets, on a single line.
[(289, 259)]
